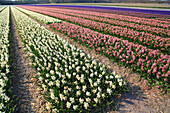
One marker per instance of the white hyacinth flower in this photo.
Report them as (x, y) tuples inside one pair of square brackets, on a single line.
[(72, 100), (88, 93), (88, 100), (78, 93), (84, 88), (109, 91), (68, 104), (75, 107), (96, 100), (120, 83), (81, 100), (86, 105)]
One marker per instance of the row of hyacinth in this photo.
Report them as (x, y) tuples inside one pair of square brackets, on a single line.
[(127, 13), (42, 18), (150, 11), (145, 21), (143, 38), (154, 30), (146, 28), (6, 100), (89, 38), (70, 79), (149, 63), (1, 8)]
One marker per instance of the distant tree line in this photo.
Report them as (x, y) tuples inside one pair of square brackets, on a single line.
[(78, 1)]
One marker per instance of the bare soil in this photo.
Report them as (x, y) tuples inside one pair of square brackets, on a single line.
[(24, 86)]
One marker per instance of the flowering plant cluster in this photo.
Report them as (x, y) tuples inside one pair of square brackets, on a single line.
[(151, 22), (6, 101), (42, 18), (138, 58), (128, 13), (154, 30), (71, 80), (147, 39), (1, 8), (150, 63)]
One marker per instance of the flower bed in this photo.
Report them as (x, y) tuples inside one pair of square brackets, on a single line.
[(149, 40), (42, 18), (71, 80), (145, 28), (150, 22), (1, 8), (6, 99), (149, 63), (154, 30), (127, 13)]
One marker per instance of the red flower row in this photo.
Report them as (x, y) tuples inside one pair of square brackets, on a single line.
[(150, 22), (149, 62), (129, 13), (152, 41), (138, 27)]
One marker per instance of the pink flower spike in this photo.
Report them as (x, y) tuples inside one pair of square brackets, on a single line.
[(166, 79), (158, 87), (162, 75), (149, 71), (166, 75)]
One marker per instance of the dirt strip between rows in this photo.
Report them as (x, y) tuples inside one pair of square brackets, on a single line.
[(24, 87)]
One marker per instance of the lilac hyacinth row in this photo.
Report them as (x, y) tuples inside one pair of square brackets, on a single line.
[(162, 12)]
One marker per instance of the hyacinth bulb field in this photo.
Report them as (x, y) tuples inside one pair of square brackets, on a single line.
[(53, 50)]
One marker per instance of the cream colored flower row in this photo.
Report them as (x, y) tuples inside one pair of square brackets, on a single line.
[(1, 8), (72, 80), (40, 17), (4, 58)]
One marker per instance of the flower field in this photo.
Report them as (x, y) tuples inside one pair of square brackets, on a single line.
[(128, 13), (6, 99), (42, 18), (69, 78), (146, 39), (144, 48), (1, 8)]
